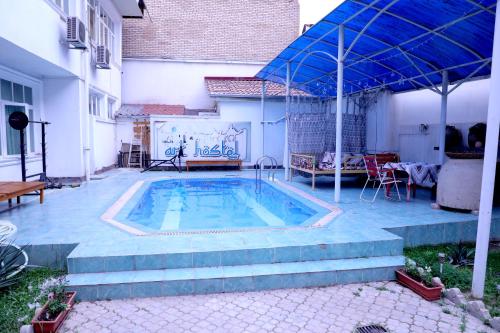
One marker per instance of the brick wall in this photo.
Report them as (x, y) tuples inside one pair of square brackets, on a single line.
[(244, 30)]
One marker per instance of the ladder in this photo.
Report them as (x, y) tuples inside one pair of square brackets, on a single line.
[(259, 165), (136, 149)]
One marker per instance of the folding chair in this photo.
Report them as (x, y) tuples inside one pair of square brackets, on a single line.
[(385, 177)]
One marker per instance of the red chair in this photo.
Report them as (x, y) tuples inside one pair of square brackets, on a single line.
[(385, 177)]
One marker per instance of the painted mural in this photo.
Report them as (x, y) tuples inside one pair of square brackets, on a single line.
[(203, 140)]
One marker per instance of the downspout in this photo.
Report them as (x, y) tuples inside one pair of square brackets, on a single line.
[(85, 110)]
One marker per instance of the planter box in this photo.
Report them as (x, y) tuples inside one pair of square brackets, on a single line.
[(42, 326), (430, 294)]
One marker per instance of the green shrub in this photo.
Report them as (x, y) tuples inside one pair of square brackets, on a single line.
[(18, 302), (455, 276)]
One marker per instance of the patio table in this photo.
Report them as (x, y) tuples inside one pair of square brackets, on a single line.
[(419, 173)]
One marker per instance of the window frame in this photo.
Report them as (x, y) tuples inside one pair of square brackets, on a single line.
[(103, 32), (62, 8), (30, 150), (111, 102), (96, 109)]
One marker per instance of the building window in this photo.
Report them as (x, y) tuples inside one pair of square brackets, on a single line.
[(111, 108), (61, 4), (95, 104), (31, 129), (6, 90), (100, 27), (15, 97), (91, 13)]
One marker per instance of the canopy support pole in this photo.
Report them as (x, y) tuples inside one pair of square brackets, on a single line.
[(489, 170), (262, 110), (338, 124), (286, 162), (442, 122)]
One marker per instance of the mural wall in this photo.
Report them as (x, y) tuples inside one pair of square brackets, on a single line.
[(202, 140)]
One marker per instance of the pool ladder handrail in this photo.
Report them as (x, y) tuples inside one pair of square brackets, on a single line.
[(259, 165)]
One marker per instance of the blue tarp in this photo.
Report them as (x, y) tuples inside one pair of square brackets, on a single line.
[(408, 39)]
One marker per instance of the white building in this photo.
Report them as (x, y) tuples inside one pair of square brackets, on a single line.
[(45, 77)]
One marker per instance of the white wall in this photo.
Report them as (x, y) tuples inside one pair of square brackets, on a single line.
[(32, 42), (105, 151), (37, 28), (236, 110), (467, 106), (64, 134), (11, 171), (175, 82), (267, 139), (245, 110), (274, 134)]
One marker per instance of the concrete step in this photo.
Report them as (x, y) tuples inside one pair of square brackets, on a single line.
[(137, 260), (203, 280)]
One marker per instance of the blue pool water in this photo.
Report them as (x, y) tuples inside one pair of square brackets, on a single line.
[(223, 203)]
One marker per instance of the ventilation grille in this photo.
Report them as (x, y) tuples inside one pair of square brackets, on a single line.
[(371, 329)]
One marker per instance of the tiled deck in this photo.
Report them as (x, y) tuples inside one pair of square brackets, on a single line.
[(72, 215), (70, 222)]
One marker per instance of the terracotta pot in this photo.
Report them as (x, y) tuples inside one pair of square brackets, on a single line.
[(429, 293), (43, 326)]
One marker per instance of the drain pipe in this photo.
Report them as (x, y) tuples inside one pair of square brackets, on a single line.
[(86, 117)]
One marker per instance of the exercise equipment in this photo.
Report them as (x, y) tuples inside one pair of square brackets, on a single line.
[(19, 121)]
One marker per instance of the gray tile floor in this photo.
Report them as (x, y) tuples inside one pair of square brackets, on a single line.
[(336, 309)]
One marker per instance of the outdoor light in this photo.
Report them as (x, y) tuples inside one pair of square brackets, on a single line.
[(442, 259)]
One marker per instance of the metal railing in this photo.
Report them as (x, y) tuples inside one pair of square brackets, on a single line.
[(259, 165)]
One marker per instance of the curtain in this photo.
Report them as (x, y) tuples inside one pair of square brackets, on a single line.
[(306, 133), (314, 133)]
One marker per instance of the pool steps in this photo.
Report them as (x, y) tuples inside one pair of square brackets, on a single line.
[(229, 257), (143, 272), (187, 281)]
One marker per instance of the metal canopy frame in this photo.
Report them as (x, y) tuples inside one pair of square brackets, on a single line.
[(424, 73), (474, 58), (271, 72)]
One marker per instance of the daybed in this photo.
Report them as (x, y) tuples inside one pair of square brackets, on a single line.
[(352, 164)]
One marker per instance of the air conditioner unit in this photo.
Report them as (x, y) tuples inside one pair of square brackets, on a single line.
[(75, 33), (103, 57)]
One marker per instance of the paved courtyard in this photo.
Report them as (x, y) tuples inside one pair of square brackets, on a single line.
[(334, 309)]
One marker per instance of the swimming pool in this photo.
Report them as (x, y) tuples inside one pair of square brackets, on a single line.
[(219, 203)]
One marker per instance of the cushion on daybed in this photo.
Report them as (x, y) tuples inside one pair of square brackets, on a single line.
[(349, 161)]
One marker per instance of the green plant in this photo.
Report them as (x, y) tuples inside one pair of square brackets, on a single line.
[(56, 297), (453, 276), (18, 302), (12, 262), (461, 255), (423, 275), (461, 276)]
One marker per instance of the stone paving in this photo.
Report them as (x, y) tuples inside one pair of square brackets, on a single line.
[(333, 309)]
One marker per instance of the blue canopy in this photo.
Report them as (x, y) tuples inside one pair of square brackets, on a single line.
[(400, 45)]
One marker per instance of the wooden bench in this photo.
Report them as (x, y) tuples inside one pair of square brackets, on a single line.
[(11, 190), (190, 163)]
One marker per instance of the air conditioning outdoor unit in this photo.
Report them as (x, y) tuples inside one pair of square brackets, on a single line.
[(103, 57), (75, 33)]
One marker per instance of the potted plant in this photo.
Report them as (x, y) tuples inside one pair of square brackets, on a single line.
[(59, 303), (419, 280)]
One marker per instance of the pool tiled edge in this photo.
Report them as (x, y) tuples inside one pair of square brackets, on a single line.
[(110, 216)]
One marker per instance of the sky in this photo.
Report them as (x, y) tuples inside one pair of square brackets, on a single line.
[(311, 11)]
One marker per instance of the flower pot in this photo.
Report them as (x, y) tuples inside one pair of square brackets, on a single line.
[(429, 293), (44, 326)]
